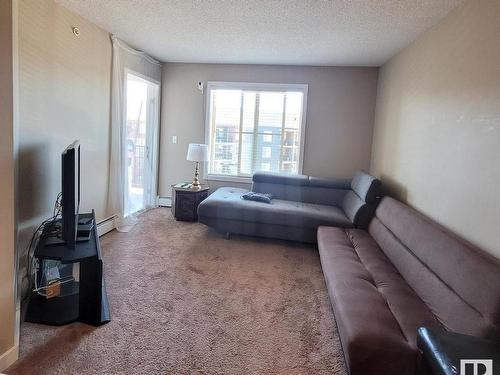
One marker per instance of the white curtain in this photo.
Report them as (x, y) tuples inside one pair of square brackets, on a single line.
[(126, 58)]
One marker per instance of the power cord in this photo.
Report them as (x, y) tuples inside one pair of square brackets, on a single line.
[(31, 261)]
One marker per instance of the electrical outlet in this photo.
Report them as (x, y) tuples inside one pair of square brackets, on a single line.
[(174, 139)]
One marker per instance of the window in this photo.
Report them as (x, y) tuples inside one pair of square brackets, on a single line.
[(265, 167), (266, 152), (268, 136), (252, 127)]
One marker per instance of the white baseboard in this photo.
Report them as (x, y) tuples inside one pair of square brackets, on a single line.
[(9, 357), (164, 201), (105, 226)]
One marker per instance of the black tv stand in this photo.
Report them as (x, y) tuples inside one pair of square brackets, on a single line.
[(84, 300)]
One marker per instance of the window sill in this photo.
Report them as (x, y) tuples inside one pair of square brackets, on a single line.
[(244, 180)]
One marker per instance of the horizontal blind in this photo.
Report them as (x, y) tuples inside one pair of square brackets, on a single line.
[(254, 131)]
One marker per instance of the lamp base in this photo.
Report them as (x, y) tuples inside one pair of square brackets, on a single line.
[(196, 182)]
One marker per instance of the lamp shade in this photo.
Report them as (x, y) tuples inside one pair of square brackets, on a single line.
[(197, 152)]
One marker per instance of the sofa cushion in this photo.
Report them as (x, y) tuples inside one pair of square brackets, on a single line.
[(377, 313), (306, 194), (281, 178), (226, 203), (458, 282), (258, 197), (329, 191), (283, 232), (367, 187), (335, 183)]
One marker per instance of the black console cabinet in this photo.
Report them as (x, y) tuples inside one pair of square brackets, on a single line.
[(86, 300)]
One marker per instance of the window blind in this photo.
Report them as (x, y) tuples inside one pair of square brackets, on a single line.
[(254, 130)]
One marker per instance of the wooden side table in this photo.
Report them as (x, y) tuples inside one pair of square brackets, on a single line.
[(185, 201)]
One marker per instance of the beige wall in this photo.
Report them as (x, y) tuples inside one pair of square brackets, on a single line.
[(8, 341), (437, 132), (340, 114), (64, 88)]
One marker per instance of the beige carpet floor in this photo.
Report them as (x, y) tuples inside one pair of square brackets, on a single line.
[(184, 300)]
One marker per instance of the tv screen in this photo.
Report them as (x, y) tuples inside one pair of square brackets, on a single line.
[(70, 173)]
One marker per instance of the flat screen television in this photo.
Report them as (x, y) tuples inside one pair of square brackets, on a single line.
[(70, 200)]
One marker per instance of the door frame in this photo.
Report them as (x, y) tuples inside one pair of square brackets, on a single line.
[(156, 130)]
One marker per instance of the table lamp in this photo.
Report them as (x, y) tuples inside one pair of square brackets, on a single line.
[(197, 152)]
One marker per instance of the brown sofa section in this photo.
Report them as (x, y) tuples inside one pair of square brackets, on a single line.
[(403, 273)]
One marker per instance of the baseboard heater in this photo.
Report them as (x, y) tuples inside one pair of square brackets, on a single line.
[(165, 201), (106, 225)]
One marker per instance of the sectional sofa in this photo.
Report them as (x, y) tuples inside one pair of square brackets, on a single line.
[(300, 205)]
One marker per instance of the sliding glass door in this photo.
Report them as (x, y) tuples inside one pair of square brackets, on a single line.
[(141, 137)]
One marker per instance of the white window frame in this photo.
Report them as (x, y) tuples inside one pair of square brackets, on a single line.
[(279, 87)]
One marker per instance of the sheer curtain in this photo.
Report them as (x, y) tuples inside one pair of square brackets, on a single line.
[(126, 59)]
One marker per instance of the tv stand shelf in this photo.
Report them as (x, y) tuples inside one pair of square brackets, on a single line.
[(89, 302), (48, 249)]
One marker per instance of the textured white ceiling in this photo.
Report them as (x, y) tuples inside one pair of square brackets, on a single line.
[(298, 32)]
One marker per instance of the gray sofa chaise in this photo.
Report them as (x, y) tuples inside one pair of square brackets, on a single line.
[(300, 205)]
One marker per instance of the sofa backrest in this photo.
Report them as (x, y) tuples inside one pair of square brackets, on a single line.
[(360, 201), (458, 282), (366, 187), (301, 188)]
